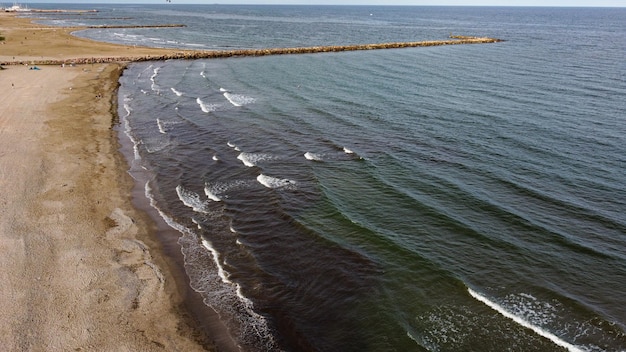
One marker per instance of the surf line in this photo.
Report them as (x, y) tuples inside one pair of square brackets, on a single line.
[(555, 339)]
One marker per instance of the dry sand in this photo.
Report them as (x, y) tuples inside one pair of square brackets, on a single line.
[(79, 267)]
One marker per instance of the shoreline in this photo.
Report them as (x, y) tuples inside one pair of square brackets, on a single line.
[(83, 268), (205, 319)]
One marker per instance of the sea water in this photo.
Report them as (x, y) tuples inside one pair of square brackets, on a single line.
[(460, 198)]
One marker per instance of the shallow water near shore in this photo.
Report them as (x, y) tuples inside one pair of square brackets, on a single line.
[(428, 199)]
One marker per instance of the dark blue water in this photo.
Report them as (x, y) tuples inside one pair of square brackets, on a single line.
[(463, 198)]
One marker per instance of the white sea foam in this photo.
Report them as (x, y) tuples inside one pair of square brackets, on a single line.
[(530, 308), (220, 270), (128, 109), (161, 126), (217, 191), (176, 92), (274, 182), (245, 159), (222, 294), (252, 159), (173, 224), (170, 222), (136, 154), (205, 107), (314, 156), (192, 200), (210, 192), (136, 151), (347, 151), (198, 225), (444, 325), (217, 290), (155, 73), (238, 99), (539, 331), (233, 145), (420, 342), (127, 131), (223, 90)]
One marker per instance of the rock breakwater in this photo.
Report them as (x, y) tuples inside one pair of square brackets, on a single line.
[(215, 54)]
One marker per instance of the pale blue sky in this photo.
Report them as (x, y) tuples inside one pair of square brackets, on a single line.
[(573, 3)]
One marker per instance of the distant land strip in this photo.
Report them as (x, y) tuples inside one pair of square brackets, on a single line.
[(138, 26), (214, 54), (61, 11)]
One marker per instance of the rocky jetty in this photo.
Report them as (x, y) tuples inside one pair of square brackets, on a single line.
[(136, 26), (214, 54)]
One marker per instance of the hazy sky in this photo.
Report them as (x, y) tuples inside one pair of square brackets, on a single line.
[(574, 3)]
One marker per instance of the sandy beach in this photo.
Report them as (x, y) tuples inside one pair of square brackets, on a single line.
[(80, 268)]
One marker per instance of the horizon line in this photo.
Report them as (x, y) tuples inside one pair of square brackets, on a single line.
[(298, 4)]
